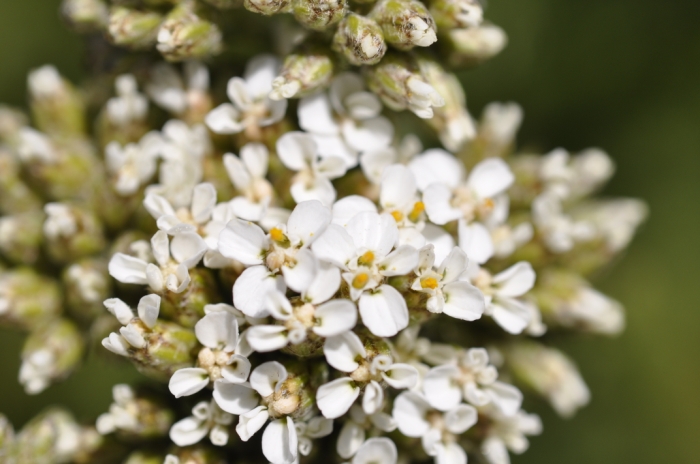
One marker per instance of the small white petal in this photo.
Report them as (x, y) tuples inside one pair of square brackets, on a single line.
[(279, 441), (399, 262), (453, 266), (243, 241), (461, 418), (324, 285), (437, 166), (316, 116), (295, 150), (188, 248), (371, 134), (255, 157), (252, 286), (188, 381), (158, 206), (121, 310), (218, 330), (373, 398), (203, 202), (265, 338), (376, 451), (308, 221), (237, 172), (476, 241), (512, 315), (450, 453), (342, 351), (235, 398), (490, 177), (384, 311), (375, 232), (335, 398), (268, 377), (398, 186), (188, 431), (335, 317), (516, 280), (401, 375), (237, 369), (463, 301), (116, 344), (127, 269), (133, 336), (252, 421), (224, 119), (278, 305), (299, 276), (148, 309), (506, 397), (439, 388), (438, 204), (350, 439), (348, 207), (335, 245), (410, 409)]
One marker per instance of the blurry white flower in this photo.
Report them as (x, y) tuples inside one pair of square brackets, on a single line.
[(176, 93), (129, 105), (247, 174), (206, 418)]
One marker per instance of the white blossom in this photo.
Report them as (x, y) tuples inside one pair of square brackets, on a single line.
[(206, 418), (176, 93), (134, 164), (134, 331), (129, 105), (247, 174)]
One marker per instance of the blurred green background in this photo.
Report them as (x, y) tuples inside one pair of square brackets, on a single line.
[(623, 75)]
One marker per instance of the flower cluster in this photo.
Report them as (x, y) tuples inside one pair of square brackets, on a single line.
[(308, 281)]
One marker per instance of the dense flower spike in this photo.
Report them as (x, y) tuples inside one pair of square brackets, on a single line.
[(332, 287)]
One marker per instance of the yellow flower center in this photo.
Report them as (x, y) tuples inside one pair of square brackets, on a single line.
[(417, 210), (366, 259), (277, 235), (360, 280), (398, 215), (429, 282)]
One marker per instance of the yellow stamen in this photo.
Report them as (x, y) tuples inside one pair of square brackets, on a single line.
[(398, 215), (418, 209), (360, 280), (429, 282), (277, 235), (489, 204), (366, 259)]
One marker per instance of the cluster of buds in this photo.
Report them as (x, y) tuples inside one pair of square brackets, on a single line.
[(315, 277)]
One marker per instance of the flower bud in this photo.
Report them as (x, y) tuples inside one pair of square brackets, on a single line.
[(303, 73), (319, 15), (87, 284), (360, 40), (406, 23), (50, 354), (133, 28), (86, 15), (196, 454), (184, 35), (451, 14), (550, 374), (56, 106), (135, 415), (187, 308), (397, 80), (71, 232), (469, 47), (140, 457), (28, 299), (15, 195), (225, 4), (268, 7), (11, 121), (21, 237)]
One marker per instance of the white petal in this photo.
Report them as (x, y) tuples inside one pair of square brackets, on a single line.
[(255, 157), (410, 409), (324, 285), (237, 172), (476, 242), (173, 226), (188, 381), (335, 317), (308, 221), (299, 276), (376, 451), (438, 204), (437, 166), (188, 431), (439, 387), (335, 398), (279, 442), (461, 418), (268, 377), (127, 269), (463, 301), (116, 344), (450, 453), (158, 206), (374, 162), (259, 74), (373, 398), (412, 237), (384, 311), (516, 280), (343, 86), (495, 451), (506, 397), (265, 338), (316, 116), (188, 249), (342, 351), (248, 210), (512, 315), (238, 93), (401, 375), (252, 286), (348, 207), (155, 278), (237, 369), (383, 422), (330, 167), (453, 266), (243, 241), (235, 398), (295, 150), (218, 330), (218, 435), (362, 105), (133, 336), (375, 232), (148, 309), (442, 242), (399, 262), (278, 305), (350, 439), (319, 427), (252, 421), (320, 189), (370, 134), (334, 146), (335, 245), (120, 310), (224, 119), (398, 186), (490, 177), (203, 202)]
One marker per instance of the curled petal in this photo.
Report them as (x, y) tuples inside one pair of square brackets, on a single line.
[(335, 398), (188, 381)]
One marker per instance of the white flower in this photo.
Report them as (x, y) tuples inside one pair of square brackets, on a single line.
[(503, 292), (247, 174), (251, 108), (206, 418), (129, 105), (122, 415), (33, 145), (353, 433), (376, 451), (346, 353), (299, 152), (559, 231), (373, 162), (499, 125), (133, 165), (284, 250), (190, 219), (174, 93), (60, 221), (346, 121), (316, 427), (416, 418), (470, 377), (173, 257), (132, 334), (363, 250), (615, 220), (456, 298), (45, 82), (508, 433), (398, 196), (218, 332)]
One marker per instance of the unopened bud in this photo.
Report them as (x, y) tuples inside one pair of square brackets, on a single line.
[(268, 7), (406, 23), (225, 4), (187, 308), (319, 15), (360, 40), (451, 14), (398, 81), (184, 35), (15, 195), (21, 237), (303, 73), (87, 284), (86, 15), (28, 299), (56, 105), (134, 28), (469, 47), (50, 354), (135, 415), (71, 232)]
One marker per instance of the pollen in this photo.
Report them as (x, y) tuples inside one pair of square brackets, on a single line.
[(488, 204), (417, 210), (360, 280), (277, 235), (366, 259), (398, 215), (429, 282)]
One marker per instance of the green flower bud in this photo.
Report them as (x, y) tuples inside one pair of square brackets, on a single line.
[(184, 35), (50, 354), (133, 28), (87, 284), (469, 47), (360, 40), (303, 73), (28, 299), (135, 415), (86, 15), (21, 237), (406, 23), (451, 14), (319, 15), (268, 7), (71, 232), (398, 81), (56, 106), (140, 457), (15, 196), (225, 4), (187, 308)]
